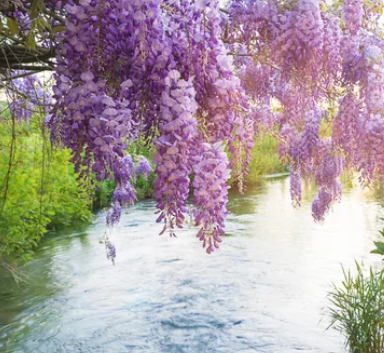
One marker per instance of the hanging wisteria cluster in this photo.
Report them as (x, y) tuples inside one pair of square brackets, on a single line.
[(160, 70), (199, 81), (318, 72)]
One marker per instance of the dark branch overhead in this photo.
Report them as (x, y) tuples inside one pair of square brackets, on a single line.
[(15, 57), (22, 50)]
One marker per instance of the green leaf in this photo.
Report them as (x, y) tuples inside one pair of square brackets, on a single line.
[(34, 10), (379, 248), (58, 29), (31, 42), (41, 24), (13, 26), (41, 5)]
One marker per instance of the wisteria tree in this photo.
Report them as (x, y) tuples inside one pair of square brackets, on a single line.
[(199, 81)]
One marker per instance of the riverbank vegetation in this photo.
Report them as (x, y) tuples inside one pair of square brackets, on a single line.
[(38, 188), (265, 159), (357, 309), (40, 191), (356, 306)]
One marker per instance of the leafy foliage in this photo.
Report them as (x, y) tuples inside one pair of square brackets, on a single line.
[(379, 246), (42, 190), (357, 310)]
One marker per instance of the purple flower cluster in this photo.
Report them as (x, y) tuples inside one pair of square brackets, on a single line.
[(295, 188), (223, 110), (353, 15), (308, 141), (98, 124), (124, 171), (250, 20), (353, 63), (331, 48), (372, 154), (347, 128), (114, 214), (110, 249), (173, 163), (24, 21), (164, 70), (321, 204), (313, 60), (371, 128), (256, 80), (374, 90), (143, 167), (328, 170), (298, 39), (27, 96), (211, 173)]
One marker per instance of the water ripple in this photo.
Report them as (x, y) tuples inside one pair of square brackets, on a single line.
[(263, 292)]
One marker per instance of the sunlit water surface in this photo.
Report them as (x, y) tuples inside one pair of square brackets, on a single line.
[(264, 291)]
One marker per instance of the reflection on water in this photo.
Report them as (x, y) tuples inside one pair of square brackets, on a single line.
[(264, 291)]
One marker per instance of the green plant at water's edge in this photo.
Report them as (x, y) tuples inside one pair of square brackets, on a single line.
[(379, 246), (357, 310), (38, 189), (265, 159)]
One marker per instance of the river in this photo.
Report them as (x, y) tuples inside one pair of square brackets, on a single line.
[(263, 291)]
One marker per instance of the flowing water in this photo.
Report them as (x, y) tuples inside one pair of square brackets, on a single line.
[(264, 291)]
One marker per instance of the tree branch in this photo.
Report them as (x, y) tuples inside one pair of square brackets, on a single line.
[(15, 56), (31, 71)]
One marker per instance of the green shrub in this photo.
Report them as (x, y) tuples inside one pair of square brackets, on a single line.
[(38, 190), (357, 310), (103, 194)]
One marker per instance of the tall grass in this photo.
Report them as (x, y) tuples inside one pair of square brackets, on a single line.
[(357, 310)]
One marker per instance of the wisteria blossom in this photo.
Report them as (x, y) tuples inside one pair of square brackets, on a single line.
[(200, 82), (27, 97), (324, 68)]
